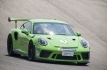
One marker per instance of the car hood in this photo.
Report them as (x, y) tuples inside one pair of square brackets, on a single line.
[(61, 40)]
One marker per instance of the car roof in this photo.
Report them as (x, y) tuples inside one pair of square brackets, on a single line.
[(47, 20)]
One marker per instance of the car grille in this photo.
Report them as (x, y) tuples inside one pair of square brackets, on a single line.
[(45, 53), (59, 56), (85, 55)]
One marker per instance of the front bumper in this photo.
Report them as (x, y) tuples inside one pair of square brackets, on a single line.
[(82, 57)]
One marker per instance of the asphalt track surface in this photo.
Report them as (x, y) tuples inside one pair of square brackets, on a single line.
[(87, 16)]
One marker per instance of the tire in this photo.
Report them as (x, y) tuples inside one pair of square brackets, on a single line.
[(82, 63), (10, 45), (31, 51)]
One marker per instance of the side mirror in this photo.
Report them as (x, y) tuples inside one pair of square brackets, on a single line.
[(78, 34), (25, 31)]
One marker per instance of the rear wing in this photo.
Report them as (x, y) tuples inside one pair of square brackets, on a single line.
[(16, 19)]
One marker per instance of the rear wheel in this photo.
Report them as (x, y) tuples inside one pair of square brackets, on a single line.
[(31, 51), (10, 45)]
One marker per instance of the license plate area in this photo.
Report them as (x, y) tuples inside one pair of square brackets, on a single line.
[(66, 53)]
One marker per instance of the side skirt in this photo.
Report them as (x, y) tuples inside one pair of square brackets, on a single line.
[(19, 51)]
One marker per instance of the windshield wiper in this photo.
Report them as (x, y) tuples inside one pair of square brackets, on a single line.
[(61, 34), (42, 33)]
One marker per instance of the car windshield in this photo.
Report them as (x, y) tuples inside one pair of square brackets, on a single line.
[(51, 28)]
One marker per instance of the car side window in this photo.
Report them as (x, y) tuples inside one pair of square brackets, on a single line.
[(28, 26)]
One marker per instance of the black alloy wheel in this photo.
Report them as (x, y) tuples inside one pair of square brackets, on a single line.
[(31, 51), (10, 45)]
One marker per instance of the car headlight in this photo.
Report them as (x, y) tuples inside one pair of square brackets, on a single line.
[(42, 41), (84, 43)]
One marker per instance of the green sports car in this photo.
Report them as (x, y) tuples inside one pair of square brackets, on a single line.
[(44, 39)]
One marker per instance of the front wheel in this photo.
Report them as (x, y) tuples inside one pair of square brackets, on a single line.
[(82, 63), (31, 51)]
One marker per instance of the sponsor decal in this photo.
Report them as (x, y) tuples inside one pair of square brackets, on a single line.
[(64, 41)]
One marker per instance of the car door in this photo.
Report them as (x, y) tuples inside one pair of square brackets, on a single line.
[(24, 38)]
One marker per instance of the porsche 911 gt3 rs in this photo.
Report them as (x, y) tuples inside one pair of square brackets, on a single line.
[(45, 39)]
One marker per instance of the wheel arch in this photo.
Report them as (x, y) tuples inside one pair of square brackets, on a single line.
[(29, 44), (30, 41), (9, 35), (15, 33)]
